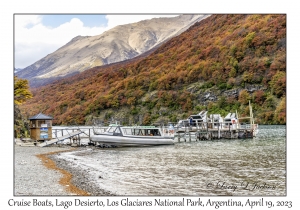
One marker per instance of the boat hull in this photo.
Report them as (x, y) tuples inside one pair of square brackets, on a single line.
[(124, 140)]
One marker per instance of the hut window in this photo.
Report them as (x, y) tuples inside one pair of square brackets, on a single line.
[(32, 124), (40, 122), (48, 122)]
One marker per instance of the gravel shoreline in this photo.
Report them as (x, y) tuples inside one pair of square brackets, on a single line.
[(33, 178), (80, 178)]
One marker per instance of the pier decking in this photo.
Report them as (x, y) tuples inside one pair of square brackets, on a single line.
[(61, 138), (200, 133)]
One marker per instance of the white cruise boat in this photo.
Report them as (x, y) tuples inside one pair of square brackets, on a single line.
[(132, 136), (192, 123)]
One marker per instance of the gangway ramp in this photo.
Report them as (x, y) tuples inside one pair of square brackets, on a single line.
[(61, 138)]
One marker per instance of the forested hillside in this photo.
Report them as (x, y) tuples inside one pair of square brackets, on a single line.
[(219, 64)]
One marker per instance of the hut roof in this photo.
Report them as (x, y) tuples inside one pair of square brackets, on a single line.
[(41, 116)]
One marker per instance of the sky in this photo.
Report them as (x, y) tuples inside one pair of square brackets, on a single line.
[(39, 35)]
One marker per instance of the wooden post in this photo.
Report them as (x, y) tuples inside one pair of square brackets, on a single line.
[(219, 136), (207, 127), (207, 134), (237, 120)]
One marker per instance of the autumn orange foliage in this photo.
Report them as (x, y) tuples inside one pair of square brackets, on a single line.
[(223, 52)]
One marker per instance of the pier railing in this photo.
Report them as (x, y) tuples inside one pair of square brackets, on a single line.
[(61, 131), (215, 125), (215, 130)]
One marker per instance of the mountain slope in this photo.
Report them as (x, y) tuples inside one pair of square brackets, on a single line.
[(120, 43), (218, 64)]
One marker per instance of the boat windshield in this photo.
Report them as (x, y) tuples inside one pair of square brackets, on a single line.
[(196, 117), (111, 129), (142, 131)]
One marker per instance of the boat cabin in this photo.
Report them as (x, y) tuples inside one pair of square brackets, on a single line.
[(215, 120), (133, 131), (199, 118), (182, 123), (230, 120)]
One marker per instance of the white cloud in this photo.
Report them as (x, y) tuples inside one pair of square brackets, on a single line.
[(33, 40), (25, 20)]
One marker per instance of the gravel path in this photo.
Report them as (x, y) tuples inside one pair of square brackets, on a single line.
[(31, 177)]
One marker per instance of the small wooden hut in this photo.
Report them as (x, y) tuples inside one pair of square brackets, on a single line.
[(41, 127)]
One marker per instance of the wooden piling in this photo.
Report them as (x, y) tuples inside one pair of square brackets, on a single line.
[(219, 134)]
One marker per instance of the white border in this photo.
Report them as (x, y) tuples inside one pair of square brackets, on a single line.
[(8, 8)]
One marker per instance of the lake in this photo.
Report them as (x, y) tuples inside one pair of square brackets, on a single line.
[(199, 168)]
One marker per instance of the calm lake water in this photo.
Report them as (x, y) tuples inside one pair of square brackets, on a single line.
[(220, 167)]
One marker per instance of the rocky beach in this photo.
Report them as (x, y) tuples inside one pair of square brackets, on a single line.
[(81, 177), (38, 172)]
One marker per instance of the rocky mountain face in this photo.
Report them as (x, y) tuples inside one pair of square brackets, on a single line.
[(17, 70), (118, 44)]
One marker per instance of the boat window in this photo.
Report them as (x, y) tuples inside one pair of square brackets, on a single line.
[(127, 131), (111, 129), (141, 131), (196, 117), (148, 133), (155, 132), (117, 130)]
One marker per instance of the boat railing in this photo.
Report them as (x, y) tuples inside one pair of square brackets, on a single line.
[(99, 130)]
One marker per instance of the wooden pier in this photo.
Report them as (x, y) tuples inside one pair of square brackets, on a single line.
[(61, 138), (73, 134), (204, 132), (209, 129)]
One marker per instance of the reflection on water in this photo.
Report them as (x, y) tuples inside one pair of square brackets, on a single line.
[(219, 167)]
